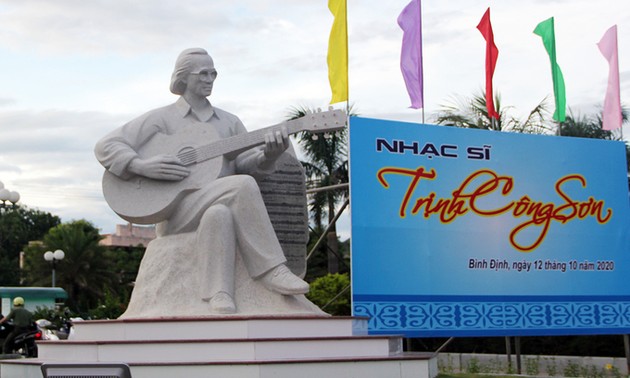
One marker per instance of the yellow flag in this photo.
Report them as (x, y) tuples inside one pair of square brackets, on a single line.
[(338, 52)]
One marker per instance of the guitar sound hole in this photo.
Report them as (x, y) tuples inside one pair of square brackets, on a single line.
[(187, 155)]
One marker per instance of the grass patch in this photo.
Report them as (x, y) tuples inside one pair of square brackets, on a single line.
[(468, 375)]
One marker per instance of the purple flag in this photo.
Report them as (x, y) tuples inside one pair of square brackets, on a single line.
[(410, 21), (611, 118)]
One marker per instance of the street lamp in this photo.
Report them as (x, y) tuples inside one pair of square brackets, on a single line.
[(53, 257), (6, 195)]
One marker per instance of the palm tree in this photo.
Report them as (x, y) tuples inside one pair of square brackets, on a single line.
[(592, 127), (85, 272), (582, 126), (472, 113), (326, 165)]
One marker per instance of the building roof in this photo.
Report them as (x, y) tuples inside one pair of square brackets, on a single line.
[(129, 236), (33, 292)]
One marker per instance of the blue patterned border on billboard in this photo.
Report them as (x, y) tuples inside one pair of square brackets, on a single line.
[(443, 316)]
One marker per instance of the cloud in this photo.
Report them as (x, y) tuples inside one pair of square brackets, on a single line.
[(106, 26), (6, 101), (52, 132), (624, 79), (47, 157), (141, 26), (9, 168)]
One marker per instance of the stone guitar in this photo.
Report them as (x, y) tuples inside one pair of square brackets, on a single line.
[(144, 200)]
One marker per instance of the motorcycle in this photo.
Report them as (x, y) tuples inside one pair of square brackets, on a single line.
[(48, 329), (24, 343), (67, 328), (4, 332)]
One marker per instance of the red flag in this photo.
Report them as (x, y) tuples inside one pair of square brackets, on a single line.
[(492, 53)]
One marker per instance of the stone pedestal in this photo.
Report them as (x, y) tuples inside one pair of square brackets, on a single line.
[(243, 347), (169, 284)]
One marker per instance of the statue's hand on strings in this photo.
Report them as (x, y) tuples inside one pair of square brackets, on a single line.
[(159, 167), (276, 142)]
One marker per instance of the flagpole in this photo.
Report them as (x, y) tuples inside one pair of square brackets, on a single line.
[(347, 65), (421, 60)]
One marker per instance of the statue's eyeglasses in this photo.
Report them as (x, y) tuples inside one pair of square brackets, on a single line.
[(206, 74)]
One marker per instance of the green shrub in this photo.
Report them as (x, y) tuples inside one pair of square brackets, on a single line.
[(532, 366), (332, 286), (572, 370), (473, 366), (551, 367)]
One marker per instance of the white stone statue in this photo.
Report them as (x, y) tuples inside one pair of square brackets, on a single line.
[(211, 211)]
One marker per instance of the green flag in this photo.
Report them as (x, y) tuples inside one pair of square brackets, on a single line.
[(546, 31)]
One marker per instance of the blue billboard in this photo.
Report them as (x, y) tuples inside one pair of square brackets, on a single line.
[(460, 232)]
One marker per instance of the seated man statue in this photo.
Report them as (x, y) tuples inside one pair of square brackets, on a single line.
[(225, 211)]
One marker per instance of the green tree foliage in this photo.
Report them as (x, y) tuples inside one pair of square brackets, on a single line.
[(326, 165), (126, 262), (86, 272), (108, 308), (585, 127), (318, 262), (471, 112), (18, 226), (590, 126), (332, 293)]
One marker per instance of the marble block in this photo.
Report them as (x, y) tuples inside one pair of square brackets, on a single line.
[(169, 284)]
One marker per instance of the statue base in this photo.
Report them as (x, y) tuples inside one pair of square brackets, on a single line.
[(170, 283), (243, 347)]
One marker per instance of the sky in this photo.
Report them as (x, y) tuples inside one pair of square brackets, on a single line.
[(73, 70)]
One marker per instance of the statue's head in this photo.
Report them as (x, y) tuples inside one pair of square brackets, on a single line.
[(183, 67)]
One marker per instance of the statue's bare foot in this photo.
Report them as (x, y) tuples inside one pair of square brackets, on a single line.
[(222, 303), (281, 280)]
